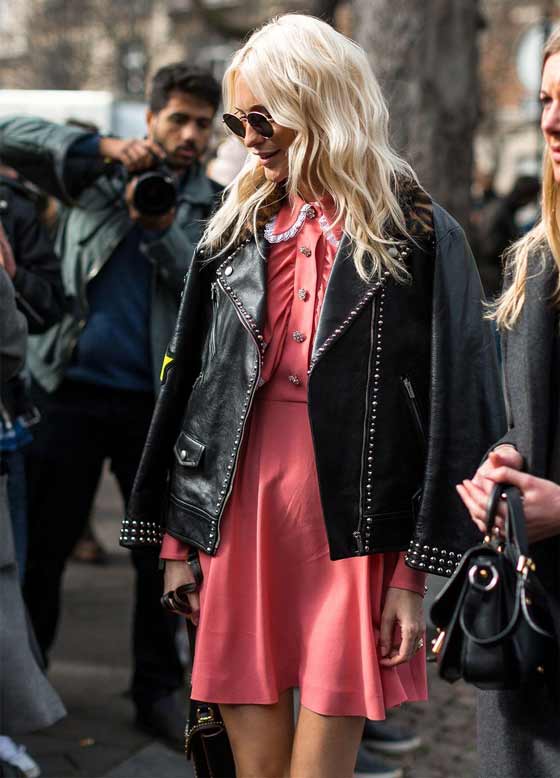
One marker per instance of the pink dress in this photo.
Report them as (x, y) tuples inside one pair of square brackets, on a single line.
[(276, 612)]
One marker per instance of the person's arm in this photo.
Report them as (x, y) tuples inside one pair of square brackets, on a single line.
[(406, 578), (37, 278), (13, 331), (38, 150)]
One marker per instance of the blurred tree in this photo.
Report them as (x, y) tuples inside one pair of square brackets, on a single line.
[(425, 55)]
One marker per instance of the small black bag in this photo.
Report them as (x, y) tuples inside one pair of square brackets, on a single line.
[(206, 740), (493, 617)]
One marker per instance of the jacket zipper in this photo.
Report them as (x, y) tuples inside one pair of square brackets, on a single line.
[(244, 423), (214, 296), (413, 405)]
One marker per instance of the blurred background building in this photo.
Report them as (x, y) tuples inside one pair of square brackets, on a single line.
[(112, 47)]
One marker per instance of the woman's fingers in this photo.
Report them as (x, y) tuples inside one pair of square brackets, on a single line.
[(386, 632), (475, 499), (194, 602), (507, 475)]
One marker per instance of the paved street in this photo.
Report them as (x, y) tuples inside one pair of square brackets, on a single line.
[(90, 668)]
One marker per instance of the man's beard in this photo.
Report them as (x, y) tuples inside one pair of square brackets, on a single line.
[(175, 162)]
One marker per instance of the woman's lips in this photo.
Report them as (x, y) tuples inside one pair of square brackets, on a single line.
[(266, 157)]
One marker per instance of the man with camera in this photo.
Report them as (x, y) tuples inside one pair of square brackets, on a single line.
[(133, 211)]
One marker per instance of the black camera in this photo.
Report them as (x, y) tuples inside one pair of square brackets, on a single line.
[(155, 192)]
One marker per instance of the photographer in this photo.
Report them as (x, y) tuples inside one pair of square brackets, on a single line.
[(97, 372)]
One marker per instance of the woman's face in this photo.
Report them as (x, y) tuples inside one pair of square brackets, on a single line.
[(550, 119), (271, 152)]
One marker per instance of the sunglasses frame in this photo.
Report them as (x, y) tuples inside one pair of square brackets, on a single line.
[(253, 123)]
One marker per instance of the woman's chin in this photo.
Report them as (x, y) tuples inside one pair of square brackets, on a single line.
[(275, 175)]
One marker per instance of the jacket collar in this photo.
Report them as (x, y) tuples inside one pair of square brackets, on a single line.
[(243, 275), (195, 187)]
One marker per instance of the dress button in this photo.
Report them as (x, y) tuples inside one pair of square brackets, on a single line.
[(305, 251), (228, 271), (302, 294), (293, 379), (183, 454), (298, 336)]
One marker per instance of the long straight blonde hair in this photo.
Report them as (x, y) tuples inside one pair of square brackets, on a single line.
[(318, 83), (543, 238)]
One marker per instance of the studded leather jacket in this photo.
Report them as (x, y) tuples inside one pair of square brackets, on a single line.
[(403, 395)]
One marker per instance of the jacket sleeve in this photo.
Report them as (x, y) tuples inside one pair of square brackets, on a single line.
[(181, 364), (171, 254), (38, 281), (466, 403), (13, 331), (38, 150)]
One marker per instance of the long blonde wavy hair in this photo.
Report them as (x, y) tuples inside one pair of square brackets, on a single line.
[(544, 237), (318, 83)]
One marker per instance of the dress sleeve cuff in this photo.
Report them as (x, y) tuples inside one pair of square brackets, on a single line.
[(405, 577), (171, 548)]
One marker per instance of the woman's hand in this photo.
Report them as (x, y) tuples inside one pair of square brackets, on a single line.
[(402, 627), (541, 501), (178, 573), (476, 492)]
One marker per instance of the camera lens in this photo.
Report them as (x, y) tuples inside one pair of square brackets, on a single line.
[(154, 194)]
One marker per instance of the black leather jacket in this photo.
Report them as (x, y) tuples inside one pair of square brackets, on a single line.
[(404, 398)]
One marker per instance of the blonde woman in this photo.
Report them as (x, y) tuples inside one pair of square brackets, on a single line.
[(329, 378), (519, 730)]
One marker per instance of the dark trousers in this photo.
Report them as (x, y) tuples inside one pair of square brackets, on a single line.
[(81, 426)]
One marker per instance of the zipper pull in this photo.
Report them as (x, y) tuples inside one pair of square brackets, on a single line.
[(359, 542), (409, 388)]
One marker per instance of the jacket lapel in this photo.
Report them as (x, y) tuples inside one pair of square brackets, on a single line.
[(242, 275), (345, 296)]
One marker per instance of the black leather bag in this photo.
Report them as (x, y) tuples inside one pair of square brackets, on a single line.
[(493, 618), (206, 741)]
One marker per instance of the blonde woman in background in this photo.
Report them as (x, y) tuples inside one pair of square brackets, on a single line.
[(320, 399), (519, 730)]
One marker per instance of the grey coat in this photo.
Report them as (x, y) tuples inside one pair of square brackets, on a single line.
[(519, 732), (27, 700)]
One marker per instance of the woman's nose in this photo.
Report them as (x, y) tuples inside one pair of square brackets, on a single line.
[(550, 120), (252, 137)]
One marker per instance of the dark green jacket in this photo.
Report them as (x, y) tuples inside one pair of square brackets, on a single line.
[(94, 221)]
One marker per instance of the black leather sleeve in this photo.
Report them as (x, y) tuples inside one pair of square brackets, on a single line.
[(179, 370), (466, 404)]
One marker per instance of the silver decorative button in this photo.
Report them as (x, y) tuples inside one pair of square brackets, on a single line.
[(311, 213), (305, 251), (183, 454), (393, 252), (302, 294), (298, 336), (295, 380), (228, 271)]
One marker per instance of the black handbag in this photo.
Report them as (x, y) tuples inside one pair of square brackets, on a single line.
[(493, 617), (207, 744)]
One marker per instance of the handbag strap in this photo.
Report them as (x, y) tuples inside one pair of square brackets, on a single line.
[(515, 528)]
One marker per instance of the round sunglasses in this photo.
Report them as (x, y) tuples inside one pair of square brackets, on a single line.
[(258, 121)]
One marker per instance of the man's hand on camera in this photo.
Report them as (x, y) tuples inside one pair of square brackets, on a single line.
[(136, 155), (161, 222)]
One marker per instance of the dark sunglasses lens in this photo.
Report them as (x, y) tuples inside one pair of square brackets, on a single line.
[(261, 124), (234, 124)]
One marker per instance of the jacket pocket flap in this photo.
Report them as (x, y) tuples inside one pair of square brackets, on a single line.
[(188, 451)]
